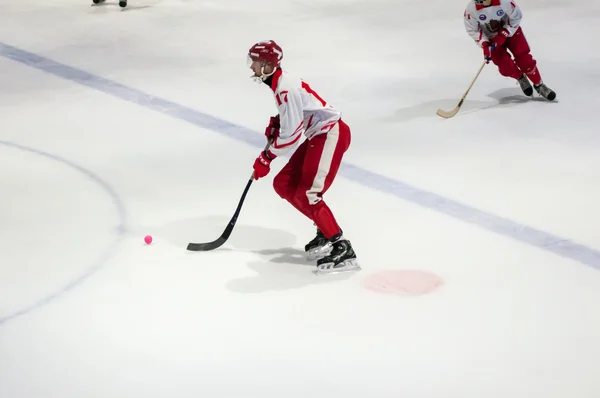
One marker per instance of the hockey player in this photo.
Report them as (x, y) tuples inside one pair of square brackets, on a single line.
[(495, 26), (122, 3), (315, 162)]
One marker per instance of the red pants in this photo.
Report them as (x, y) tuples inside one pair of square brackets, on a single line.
[(523, 61), (310, 172)]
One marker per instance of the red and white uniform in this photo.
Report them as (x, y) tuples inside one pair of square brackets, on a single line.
[(511, 52), (301, 112), (477, 19), (314, 164)]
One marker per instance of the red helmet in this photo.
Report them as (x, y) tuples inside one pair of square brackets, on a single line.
[(266, 51)]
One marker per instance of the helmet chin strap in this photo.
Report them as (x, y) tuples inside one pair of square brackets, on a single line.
[(263, 76)]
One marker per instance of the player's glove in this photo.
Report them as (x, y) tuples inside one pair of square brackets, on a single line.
[(487, 51), (262, 164), (272, 130), (501, 37)]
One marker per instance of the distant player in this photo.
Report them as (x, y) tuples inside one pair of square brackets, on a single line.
[(495, 26), (315, 162), (122, 3)]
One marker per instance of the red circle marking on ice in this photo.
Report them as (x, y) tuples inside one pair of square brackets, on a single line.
[(403, 282)]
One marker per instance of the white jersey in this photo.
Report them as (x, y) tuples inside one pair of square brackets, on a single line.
[(477, 19), (301, 111)]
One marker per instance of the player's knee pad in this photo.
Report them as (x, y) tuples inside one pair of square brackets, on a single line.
[(504, 64), (282, 187), (299, 198), (508, 71), (503, 70), (508, 68), (525, 62)]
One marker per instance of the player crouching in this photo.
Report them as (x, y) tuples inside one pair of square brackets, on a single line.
[(495, 26), (315, 162)]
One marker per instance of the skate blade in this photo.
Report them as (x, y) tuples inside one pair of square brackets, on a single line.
[(319, 252), (350, 265)]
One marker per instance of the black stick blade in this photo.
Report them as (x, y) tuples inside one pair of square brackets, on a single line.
[(196, 247), (204, 247)]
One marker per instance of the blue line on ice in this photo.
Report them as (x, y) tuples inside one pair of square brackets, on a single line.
[(503, 226), (96, 264)]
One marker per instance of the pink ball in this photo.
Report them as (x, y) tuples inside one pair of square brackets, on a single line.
[(148, 239)]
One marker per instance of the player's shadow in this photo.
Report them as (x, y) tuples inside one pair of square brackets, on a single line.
[(509, 96), (282, 269), (499, 98), (131, 8), (286, 255), (429, 109), (277, 266)]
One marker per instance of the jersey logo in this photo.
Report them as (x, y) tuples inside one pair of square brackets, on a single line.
[(482, 17), (500, 13)]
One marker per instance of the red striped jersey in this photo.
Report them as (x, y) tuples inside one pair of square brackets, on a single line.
[(302, 111), (478, 19)]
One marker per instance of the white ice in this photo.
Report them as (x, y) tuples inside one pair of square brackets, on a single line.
[(87, 310)]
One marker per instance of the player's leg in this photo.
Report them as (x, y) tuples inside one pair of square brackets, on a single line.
[(321, 163), (508, 67), (519, 47), (287, 180), (286, 184)]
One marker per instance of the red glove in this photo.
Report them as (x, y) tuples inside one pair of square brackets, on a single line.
[(487, 51), (262, 164), (501, 37), (272, 130)]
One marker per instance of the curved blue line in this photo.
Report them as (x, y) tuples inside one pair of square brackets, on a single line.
[(106, 254)]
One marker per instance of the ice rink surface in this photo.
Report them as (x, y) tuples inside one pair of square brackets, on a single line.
[(117, 124)]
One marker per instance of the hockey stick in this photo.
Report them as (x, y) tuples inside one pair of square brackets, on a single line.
[(227, 232), (449, 114)]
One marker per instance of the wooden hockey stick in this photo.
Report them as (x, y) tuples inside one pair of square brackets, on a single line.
[(449, 114), (229, 229)]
